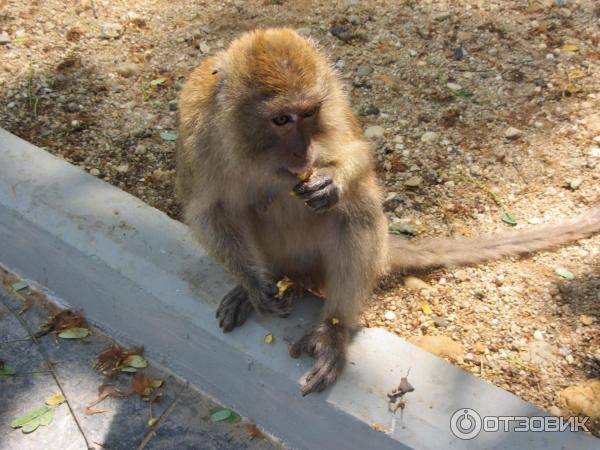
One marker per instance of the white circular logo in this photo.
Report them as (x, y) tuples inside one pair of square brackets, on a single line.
[(465, 423)]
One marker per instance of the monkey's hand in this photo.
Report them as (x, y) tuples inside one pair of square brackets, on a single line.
[(263, 297), (327, 344), (319, 192)]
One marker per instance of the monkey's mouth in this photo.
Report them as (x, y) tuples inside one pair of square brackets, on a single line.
[(299, 169)]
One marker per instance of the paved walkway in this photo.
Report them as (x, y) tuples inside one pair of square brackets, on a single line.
[(183, 413)]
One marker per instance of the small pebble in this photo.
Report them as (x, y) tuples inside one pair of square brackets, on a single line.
[(538, 335), (4, 38), (574, 184), (512, 133), (430, 137), (454, 86), (390, 315), (364, 71), (570, 359), (374, 132), (95, 172), (586, 320), (596, 139), (413, 182), (173, 105), (127, 70)]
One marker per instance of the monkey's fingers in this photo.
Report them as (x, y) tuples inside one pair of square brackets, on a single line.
[(315, 183), (324, 199), (325, 371), (300, 346), (234, 309)]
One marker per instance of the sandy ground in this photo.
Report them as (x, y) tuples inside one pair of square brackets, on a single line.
[(485, 108)]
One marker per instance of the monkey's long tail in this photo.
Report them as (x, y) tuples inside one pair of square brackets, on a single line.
[(444, 252)]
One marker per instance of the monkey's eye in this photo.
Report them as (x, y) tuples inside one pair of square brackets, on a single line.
[(310, 113), (282, 120)]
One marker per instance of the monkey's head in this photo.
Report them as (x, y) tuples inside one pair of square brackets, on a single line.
[(274, 86)]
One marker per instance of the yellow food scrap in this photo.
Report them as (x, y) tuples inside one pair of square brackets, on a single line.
[(304, 176), (569, 48), (269, 339), (156, 383), (152, 421), (283, 285), (378, 427), (55, 400), (426, 309), (576, 74), (335, 321)]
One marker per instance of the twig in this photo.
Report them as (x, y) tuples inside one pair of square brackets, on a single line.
[(94, 12)]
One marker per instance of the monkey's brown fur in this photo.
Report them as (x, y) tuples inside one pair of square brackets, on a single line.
[(235, 171)]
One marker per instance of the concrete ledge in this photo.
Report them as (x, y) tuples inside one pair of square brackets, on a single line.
[(139, 275)]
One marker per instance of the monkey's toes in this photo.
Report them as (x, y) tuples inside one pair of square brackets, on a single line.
[(327, 368), (234, 309)]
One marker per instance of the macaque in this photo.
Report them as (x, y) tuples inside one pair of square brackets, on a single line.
[(276, 179)]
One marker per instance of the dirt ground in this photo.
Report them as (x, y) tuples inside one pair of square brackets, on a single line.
[(485, 107)]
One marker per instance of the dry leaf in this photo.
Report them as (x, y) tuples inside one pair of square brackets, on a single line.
[(144, 386), (55, 399), (253, 431), (378, 427), (425, 308), (64, 320), (91, 411), (115, 358), (569, 48)]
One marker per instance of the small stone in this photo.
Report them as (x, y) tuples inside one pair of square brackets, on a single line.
[(204, 47), (574, 184), (127, 69), (570, 359), (512, 133), (173, 105), (595, 152), (140, 149), (364, 71), (538, 335), (371, 110), (413, 182), (430, 137), (390, 315), (374, 132), (95, 172), (4, 38), (459, 53), (123, 168), (586, 320), (596, 139), (440, 322), (538, 352), (454, 86), (72, 107), (111, 30), (440, 345), (416, 284)]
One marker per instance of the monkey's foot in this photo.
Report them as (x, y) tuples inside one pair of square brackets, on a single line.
[(327, 344), (234, 309)]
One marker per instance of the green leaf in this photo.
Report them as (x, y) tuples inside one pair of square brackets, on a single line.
[(234, 418), (464, 93), (136, 361), (220, 415), (506, 217), (7, 371), (157, 81), (565, 273), (74, 333), (20, 285), (128, 369), (31, 415), (165, 136)]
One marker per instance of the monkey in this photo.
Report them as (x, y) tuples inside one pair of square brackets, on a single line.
[(253, 121)]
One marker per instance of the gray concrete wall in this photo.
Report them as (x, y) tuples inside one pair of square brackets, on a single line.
[(140, 276)]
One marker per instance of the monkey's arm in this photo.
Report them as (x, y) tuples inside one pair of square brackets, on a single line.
[(233, 246)]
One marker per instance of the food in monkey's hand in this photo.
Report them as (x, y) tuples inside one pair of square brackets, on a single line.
[(304, 176), (282, 286)]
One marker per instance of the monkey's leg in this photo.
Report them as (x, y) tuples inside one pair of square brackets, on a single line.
[(352, 266)]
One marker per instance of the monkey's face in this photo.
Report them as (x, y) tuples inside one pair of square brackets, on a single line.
[(289, 133)]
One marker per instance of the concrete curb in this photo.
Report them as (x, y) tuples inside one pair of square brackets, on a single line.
[(140, 276)]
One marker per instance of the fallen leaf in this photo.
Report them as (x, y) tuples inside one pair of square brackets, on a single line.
[(220, 415), (165, 136), (569, 48), (572, 89), (136, 361), (234, 417), (576, 74), (56, 399), (425, 308), (269, 339), (283, 285), (115, 358), (91, 411), (156, 383), (74, 333), (6, 370), (157, 81), (20, 285), (565, 273), (506, 217), (28, 423), (63, 320), (128, 369), (253, 431), (152, 421)]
